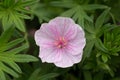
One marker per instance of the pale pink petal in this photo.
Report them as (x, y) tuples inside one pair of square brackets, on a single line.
[(76, 45), (65, 61), (70, 32), (74, 31), (45, 35), (68, 60), (49, 55), (76, 58), (73, 49), (62, 24)]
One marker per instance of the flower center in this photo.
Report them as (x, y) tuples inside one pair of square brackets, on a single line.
[(61, 42)]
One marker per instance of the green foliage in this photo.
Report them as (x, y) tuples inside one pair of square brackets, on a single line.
[(87, 75), (40, 11), (9, 54), (13, 12), (99, 19), (77, 11), (35, 74), (93, 34)]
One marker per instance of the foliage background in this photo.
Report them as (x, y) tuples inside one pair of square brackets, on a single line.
[(19, 54)]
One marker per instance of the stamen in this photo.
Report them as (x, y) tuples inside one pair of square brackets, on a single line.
[(61, 42), (59, 46)]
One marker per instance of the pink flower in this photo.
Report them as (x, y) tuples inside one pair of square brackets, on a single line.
[(61, 42)]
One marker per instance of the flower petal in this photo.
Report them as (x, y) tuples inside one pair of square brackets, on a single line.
[(45, 35), (71, 32), (62, 24), (76, 45), (65, 61), (49, 55), (76, 58)]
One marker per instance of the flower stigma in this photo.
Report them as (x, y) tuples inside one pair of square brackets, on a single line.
[(61, 42)]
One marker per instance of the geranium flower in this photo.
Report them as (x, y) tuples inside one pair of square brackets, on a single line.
[(61, 42)]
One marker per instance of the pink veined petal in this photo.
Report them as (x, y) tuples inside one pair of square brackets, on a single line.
[(75, 31), (68, 60), (65, 61), (49, 55), (76, 45), (73, 50), (80, 31), (45, 35), (70, 32), (62, 24), (76, 58)]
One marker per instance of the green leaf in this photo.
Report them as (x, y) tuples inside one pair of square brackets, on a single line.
[(24, 58), (2, 75), (8, 70), (23, 16), (23, 10), (64, 4), (100, 45), (69, 13), (89, 66), (14, 66), (13, 12), (29, 2), (88, 48), (8, 3), (93, 7), (8, 54), (18, 49), (5, 37), (35, 74), (87, 75), (14, 43), (18, 22), (89, 28), (106, 67), (100, 20), (78, 14), (105, 28), (99, 76), (48, 76), (104, 58), (39, 75), (116, 78), (42, 13), (5, 19)]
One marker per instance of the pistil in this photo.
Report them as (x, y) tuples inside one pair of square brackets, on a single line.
[(61, 42)]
